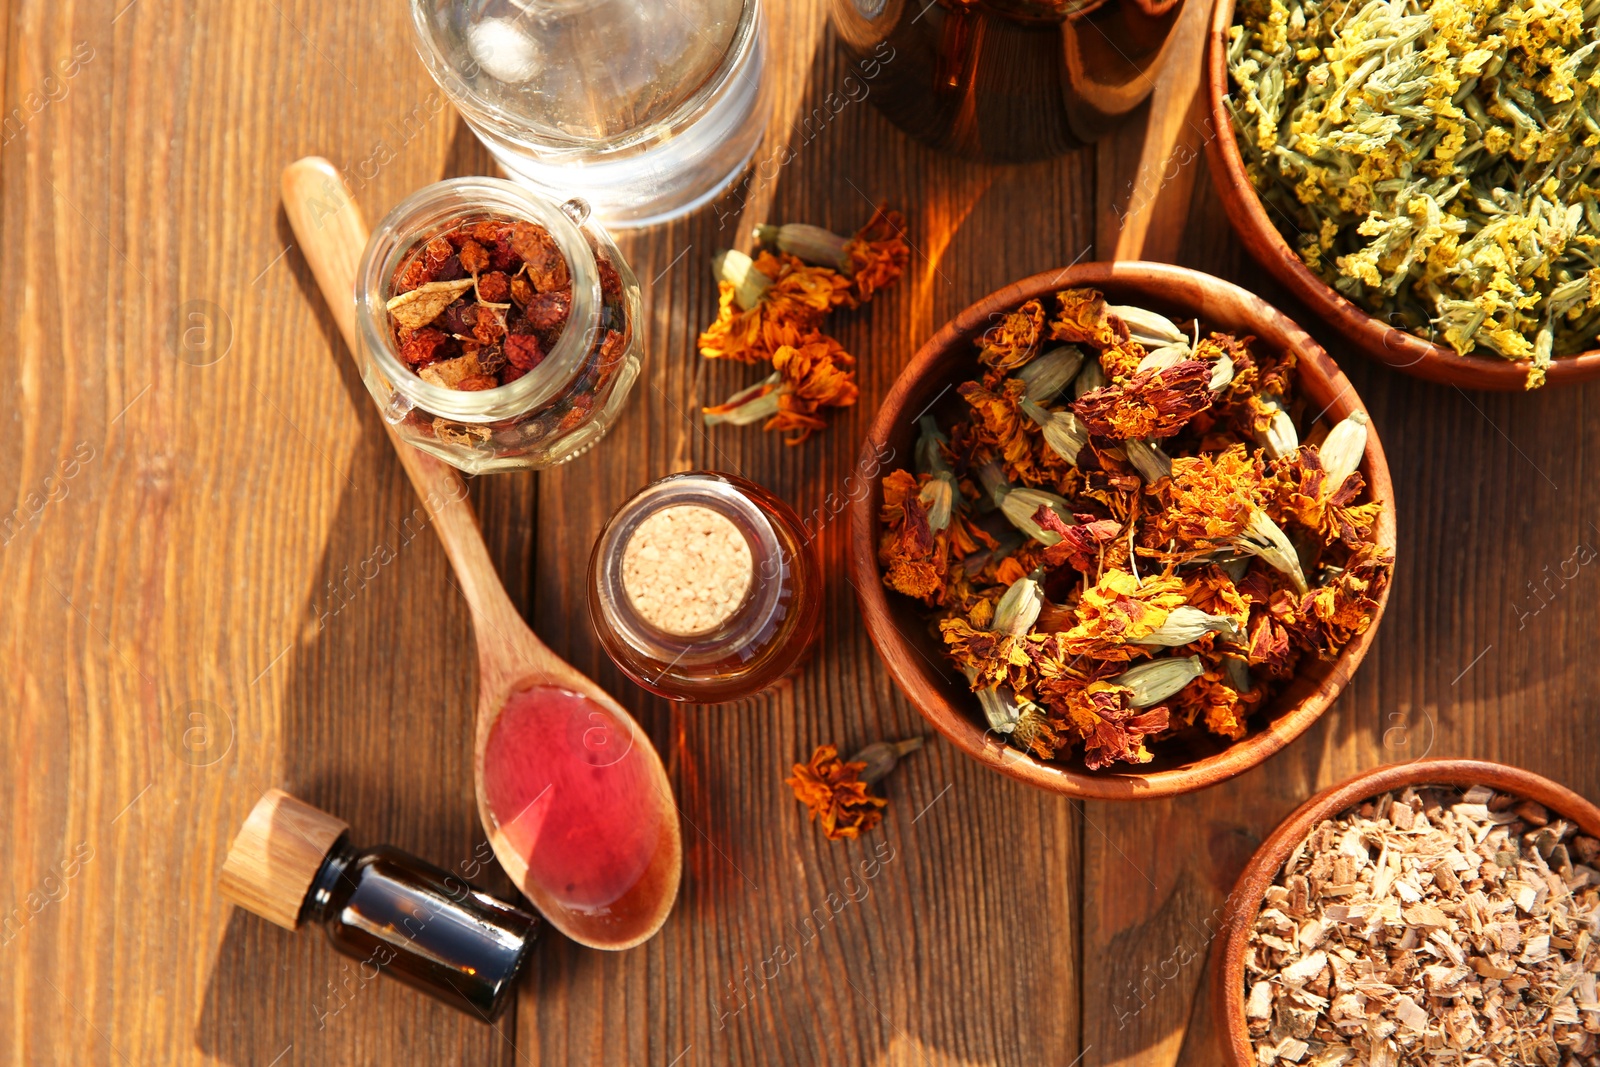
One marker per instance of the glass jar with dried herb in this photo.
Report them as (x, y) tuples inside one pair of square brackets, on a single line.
[(498, 328), (704, 587)]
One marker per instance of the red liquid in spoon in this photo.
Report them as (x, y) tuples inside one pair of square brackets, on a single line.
[(571, 791)]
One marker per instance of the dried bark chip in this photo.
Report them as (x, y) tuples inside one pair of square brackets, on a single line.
[(423, 304), (451, 373), (1467, 938)]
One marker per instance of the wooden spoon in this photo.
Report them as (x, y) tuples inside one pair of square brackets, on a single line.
[(608, 771)]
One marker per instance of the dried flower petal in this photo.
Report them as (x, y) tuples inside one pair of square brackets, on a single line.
[(833, 791)]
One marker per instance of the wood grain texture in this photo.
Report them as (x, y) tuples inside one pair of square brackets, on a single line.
[(195, 482)]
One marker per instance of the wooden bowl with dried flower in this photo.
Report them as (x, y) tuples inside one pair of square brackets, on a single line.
[(912, 648), (1534, 802), (1373, 336)]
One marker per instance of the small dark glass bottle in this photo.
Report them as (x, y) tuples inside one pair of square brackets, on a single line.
[(292, 863)]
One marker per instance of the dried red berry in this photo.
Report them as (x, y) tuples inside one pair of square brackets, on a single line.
[(424, 346), (477, 383), (474, 259), (548, 311), (547, 268), (521, 291), (495, 287), (411, 275), (523, 351), (610, 280), (488, 329), (487, 231), (435, 253)]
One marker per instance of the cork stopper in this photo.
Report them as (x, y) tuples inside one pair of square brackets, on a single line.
[(276, 857), (686, 569)]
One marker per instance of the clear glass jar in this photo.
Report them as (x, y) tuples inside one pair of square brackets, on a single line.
[(647, 110), (558, 409), (762, 639)]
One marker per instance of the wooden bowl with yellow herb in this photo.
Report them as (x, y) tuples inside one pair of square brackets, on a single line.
[(1155, 580), (1446, 286), (1366, 919)]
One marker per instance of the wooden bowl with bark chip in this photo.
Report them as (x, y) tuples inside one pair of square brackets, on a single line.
[(1372, 336), (898, 626), (1244, 903)]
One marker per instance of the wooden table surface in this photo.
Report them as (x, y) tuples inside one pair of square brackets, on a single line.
[(198, 486)]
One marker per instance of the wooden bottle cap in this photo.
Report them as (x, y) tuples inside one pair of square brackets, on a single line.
[(277, 855)]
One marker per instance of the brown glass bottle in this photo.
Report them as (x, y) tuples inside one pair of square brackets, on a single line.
[(401, 916), (1004, 81), (763, 638)]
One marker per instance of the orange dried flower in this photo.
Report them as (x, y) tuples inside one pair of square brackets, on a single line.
[(1119, 610), (1209, 498), (779, 300), (815, 374), (911, 554), (878, 254), (1014, 340), (1082, 317), (1152, 403), (1213, 702), (1111, 729), (835, 794)]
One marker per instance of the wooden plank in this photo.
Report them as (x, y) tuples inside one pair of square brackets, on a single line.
[(1490, 492), (937, 962), (187, 619)]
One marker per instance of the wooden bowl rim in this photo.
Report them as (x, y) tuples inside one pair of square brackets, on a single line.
[(960, 725), (1244, 902), (1400, 349)]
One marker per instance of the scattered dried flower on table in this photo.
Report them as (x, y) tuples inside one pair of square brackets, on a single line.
[(1118, 557), (1430, 926), (1434, 163), (838, 792), (770, 309)]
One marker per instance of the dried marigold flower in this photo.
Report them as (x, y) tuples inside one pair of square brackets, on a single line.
[(1119, 610), (878, 254), (1153, 403), (1081, 545), (1014, 340), (816, 374), (1110, 728), (872, 259), (832, 790), (910, 551), (1081, 316)]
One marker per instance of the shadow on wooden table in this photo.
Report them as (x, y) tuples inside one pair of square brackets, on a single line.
[(374, 726)]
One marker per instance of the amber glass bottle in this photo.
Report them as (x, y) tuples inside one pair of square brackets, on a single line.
[(724, 650), (292, 863)]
